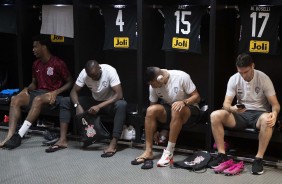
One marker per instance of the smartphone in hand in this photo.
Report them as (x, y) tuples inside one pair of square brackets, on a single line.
[(240, 106)]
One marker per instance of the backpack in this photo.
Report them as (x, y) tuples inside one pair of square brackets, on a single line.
[(196, 162), (91, 128)]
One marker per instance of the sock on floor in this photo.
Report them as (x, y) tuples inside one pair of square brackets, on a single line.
[(24, 128), (170, 147)]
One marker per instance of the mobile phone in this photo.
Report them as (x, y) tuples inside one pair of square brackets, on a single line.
[(240, 106)]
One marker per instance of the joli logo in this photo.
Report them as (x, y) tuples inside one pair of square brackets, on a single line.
[(55, 38), (259, 46), (180, 43), (121, 42)]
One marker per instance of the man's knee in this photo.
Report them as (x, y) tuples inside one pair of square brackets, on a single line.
[(215, 117), (262, 122), (37, 101), (65, 110), (121, 104), (17, 101), (151, 111), (14, 100), (65, 103)]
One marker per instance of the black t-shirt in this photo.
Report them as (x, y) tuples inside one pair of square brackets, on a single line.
[(182, 28), (120, 27), (259, 29)]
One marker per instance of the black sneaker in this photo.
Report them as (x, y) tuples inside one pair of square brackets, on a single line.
[(50, 143), (13, 142), (218, 160), (50, 136), (257, 167)]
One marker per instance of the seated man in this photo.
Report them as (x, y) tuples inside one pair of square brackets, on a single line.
[(180, 100), (50, 77), (255, 91), (107, 98)]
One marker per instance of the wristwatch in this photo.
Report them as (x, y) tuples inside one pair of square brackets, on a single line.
[(185, 102), (76, 105)]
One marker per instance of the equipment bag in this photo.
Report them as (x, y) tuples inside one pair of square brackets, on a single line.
[(196, 162), (91, 128)]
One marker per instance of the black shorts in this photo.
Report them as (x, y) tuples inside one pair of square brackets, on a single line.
[(35, 93), (195, 115), (247, 119)]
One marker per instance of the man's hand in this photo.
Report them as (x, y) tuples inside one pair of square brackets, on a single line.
[(177, 106), (52, 97), (234, 109), (271, 119), (238, 109), (79, 110), (94, 109)]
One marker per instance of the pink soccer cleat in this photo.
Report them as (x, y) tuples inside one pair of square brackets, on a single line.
[(221, 167), (234, 169)]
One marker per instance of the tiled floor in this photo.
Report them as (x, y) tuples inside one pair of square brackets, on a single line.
[(29, 164)]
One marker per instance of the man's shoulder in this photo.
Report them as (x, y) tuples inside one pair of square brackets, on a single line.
[(110, 69), (235, 76), (107, 66), (57, 59), (177, 72), (260, 73)]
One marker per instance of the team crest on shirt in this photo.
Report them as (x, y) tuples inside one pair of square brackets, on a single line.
[(175, 89), (50, 71), (257, 90), (104, 84)]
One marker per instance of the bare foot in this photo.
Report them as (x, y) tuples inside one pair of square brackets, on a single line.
[(145, 155), (112, 146), (4, 141), (63, 143)]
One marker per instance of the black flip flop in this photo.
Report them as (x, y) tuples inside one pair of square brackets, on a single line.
[(135, 161), (148, 164), (108, 154), (54, 148)]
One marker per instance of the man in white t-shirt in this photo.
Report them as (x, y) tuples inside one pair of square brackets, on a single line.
[(179, 103), (257, 107), (107, 98)]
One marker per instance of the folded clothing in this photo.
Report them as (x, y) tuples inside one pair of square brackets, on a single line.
[(9, 91)]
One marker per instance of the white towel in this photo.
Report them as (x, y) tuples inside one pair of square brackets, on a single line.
[(57, 20)]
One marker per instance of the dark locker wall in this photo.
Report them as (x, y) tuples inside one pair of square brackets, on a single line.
[(153, 30), (226, 51), (90, 33), (30, 26), (8, 61)]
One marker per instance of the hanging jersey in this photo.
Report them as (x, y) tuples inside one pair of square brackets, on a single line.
[(120, 27), (182, 28), (259, 29)]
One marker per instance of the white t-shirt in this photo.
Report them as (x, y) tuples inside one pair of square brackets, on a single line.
[(102, 89), (252, 94), (178, 88)]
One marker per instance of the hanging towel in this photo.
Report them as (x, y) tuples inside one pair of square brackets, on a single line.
[(57, 20)]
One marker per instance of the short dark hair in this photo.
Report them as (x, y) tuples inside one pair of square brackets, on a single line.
[(43, 40), (91, 63), (244, 60), (150, 73)]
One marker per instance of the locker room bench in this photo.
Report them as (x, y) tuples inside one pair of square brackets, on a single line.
[(201, 126), (250, 133), (248, 154)]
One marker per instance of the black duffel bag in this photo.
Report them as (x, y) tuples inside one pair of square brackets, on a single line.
[(90, 128)]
